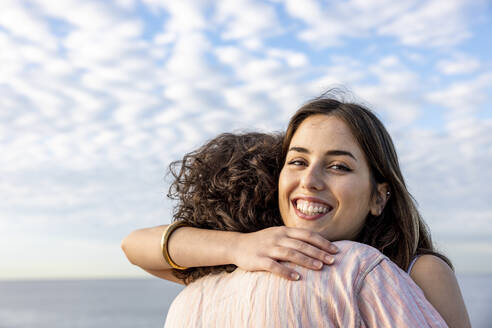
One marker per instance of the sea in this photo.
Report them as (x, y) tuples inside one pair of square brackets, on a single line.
[(144, 302)]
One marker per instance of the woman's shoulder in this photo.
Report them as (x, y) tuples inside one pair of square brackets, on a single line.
[(440, 286), (429, 269)]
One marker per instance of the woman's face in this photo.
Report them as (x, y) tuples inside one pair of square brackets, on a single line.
[(324, 185)]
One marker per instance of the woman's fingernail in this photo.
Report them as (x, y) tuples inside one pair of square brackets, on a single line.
[(295, 276), (318, 264), (329, 259), (334, 249)]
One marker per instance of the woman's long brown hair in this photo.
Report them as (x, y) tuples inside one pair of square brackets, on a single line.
[(399, 232)]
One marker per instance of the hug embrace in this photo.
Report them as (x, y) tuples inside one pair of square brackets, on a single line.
[(313, 227)]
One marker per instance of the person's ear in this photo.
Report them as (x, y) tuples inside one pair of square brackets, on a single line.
[(380, 199)]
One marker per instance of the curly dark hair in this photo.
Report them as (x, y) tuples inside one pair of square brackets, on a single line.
[(228, 184)]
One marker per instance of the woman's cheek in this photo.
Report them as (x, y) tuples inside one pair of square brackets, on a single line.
[(355, 197)]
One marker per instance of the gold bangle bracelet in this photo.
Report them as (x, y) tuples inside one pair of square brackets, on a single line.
[(165, 240)]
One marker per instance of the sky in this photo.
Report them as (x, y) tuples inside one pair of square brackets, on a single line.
[(98, 97)]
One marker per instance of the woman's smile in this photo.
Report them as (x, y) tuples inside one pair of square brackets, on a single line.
[(310, 208)]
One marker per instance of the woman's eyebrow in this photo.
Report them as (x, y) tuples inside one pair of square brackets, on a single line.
[(340, 153), (335, 152), (299, 150)]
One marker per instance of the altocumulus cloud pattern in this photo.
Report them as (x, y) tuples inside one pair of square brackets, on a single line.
[(97, 97)]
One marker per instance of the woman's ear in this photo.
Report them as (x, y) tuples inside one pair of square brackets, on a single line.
[(380, 199)]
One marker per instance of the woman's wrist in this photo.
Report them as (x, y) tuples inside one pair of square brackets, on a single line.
[(231, 249), (175, 245), (194, 247), (166, 236)]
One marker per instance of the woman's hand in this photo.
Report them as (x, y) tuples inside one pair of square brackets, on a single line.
[(261, 250)]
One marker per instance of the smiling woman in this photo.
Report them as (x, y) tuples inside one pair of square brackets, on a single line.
[(340, 179), (326, 186), (354, 163)]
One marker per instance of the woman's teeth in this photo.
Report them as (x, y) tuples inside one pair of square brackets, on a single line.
[(311, 208)]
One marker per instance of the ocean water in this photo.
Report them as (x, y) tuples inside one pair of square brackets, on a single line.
[(477, 292), (143, 302), (86, 303)]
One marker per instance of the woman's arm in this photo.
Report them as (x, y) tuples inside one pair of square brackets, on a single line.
[(187, 247), (256, 251), (440, 287)]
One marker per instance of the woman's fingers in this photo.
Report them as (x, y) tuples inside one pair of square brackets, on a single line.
[(312, 238), (281, 270), (262, 250), (294, 256), (312, 253)]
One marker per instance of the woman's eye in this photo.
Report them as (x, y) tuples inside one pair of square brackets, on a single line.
[(340, 167), (296, 162)]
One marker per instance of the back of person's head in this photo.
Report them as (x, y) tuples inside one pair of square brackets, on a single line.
[(230, 184), (399, 231)]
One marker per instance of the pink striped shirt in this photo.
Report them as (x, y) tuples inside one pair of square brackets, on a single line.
[(363, 289)]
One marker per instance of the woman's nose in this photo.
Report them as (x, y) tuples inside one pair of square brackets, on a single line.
[(312, 179)]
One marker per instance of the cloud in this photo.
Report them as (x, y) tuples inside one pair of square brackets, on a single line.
[(33, 30), (263, 88), (292, 58), (387, 86), (458, 64), (430, 23), (447, 167), (412, 23), (83, 92), (464, 96), (94, 106), (246, 19), (184, 16)]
